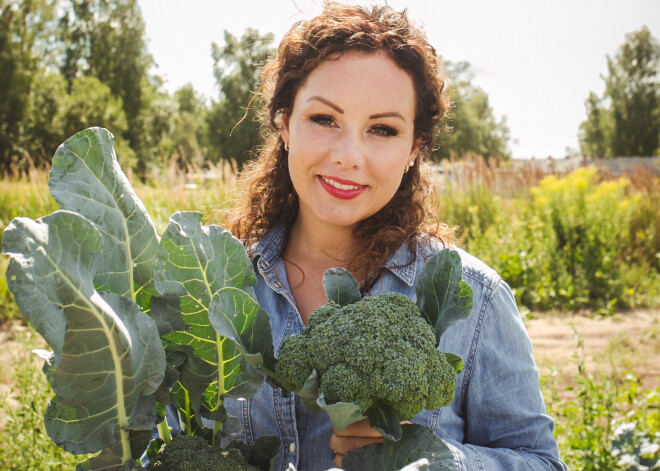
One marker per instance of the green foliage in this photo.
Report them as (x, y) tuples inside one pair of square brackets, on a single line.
[(187, 139), (572, 243), (627, 120), (417, 441), (608, 422), (87, 277), (475, 129), (25, 30), (233, 130), (22, 410)]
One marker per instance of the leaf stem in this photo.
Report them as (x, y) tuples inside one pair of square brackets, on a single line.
[(218, 426)]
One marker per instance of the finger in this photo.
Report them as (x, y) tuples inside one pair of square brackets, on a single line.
[(343, 445), (338, 459), (361, 428)]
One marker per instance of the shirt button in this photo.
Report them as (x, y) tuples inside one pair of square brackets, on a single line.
[(277, 284), (264, 264), (292, 448)]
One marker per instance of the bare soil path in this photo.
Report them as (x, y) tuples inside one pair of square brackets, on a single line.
[(627, 341)]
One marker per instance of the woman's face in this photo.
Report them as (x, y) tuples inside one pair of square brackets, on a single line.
[(351, 137)]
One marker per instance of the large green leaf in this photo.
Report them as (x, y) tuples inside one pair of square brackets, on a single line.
[(86, 178), (236, 316), (443, 297), (385, 420), (194, 262), (340, 287), (418, 445), (107, 357)]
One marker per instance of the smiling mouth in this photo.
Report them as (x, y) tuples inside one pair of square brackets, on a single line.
[(342, 189), (340, 186)]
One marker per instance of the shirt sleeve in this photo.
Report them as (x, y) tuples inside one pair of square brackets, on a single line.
[(506, 425)]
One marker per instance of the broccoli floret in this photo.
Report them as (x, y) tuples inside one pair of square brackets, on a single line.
[(193, 453), (377, 350)]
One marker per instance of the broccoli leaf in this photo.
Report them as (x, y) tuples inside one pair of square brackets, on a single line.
[(385, 420), (443, 297), (194, 262), (342, 414), (309, 393), (236, 316), (86, 178), (455, 360), (107, 357), (340, 287), (262, 453), (417, 443)]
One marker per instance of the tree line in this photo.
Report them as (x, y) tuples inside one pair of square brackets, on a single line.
[(625, 120), (66, 65), (69, 64)]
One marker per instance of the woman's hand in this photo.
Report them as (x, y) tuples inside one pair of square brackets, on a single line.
[(357, 435)]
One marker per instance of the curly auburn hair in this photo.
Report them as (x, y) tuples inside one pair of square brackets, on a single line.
[(270, 197)]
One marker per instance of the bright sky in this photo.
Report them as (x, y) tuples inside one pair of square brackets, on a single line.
[(537, 60)]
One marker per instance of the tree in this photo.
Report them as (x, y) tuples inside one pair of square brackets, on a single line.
[(187, 136), (596, 131), (627, 120), (105, 39), (43, 129), (474, 127), (233, 130), (25, 32)]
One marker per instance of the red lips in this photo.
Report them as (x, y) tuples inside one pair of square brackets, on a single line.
[(341, 193)]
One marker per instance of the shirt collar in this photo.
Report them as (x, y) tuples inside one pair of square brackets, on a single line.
[(402, 263), (269, 249)]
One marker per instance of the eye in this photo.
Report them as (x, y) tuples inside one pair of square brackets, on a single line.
[(322, 120), (384, 131)]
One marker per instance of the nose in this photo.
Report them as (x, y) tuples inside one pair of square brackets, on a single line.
[(348, 150)]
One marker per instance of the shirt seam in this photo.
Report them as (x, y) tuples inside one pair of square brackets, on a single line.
[(469, 366)]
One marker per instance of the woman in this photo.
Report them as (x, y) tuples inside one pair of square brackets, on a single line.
[(353, 104)]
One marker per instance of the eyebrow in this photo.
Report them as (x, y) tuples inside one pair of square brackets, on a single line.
[(338, 109), (391, 114), (327, 102)]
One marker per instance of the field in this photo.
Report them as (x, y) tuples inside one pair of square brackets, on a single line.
[(581, 252)]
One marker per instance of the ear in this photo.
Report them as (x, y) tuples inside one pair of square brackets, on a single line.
[(415, 148), (284, 131)]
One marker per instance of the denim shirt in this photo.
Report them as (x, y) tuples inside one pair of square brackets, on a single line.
[(497, 420)]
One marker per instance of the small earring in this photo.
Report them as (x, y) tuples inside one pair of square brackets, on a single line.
[(286, 147), (410, 164)]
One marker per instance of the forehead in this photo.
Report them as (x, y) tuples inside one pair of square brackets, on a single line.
[(370, 76)]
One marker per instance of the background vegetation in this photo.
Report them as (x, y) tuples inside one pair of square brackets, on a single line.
[(587, 241)]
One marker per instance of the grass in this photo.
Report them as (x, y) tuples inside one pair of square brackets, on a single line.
[(605, 415), (23, 402), (590, 410)]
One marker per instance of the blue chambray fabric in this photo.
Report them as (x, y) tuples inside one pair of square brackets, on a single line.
[(497, 420)]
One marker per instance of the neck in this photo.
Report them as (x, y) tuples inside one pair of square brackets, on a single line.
[(328, 244)]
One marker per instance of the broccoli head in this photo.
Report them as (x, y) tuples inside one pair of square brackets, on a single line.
[(379, 350), (193, 453)]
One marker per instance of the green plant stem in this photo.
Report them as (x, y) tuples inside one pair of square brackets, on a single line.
[(217, 425)]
